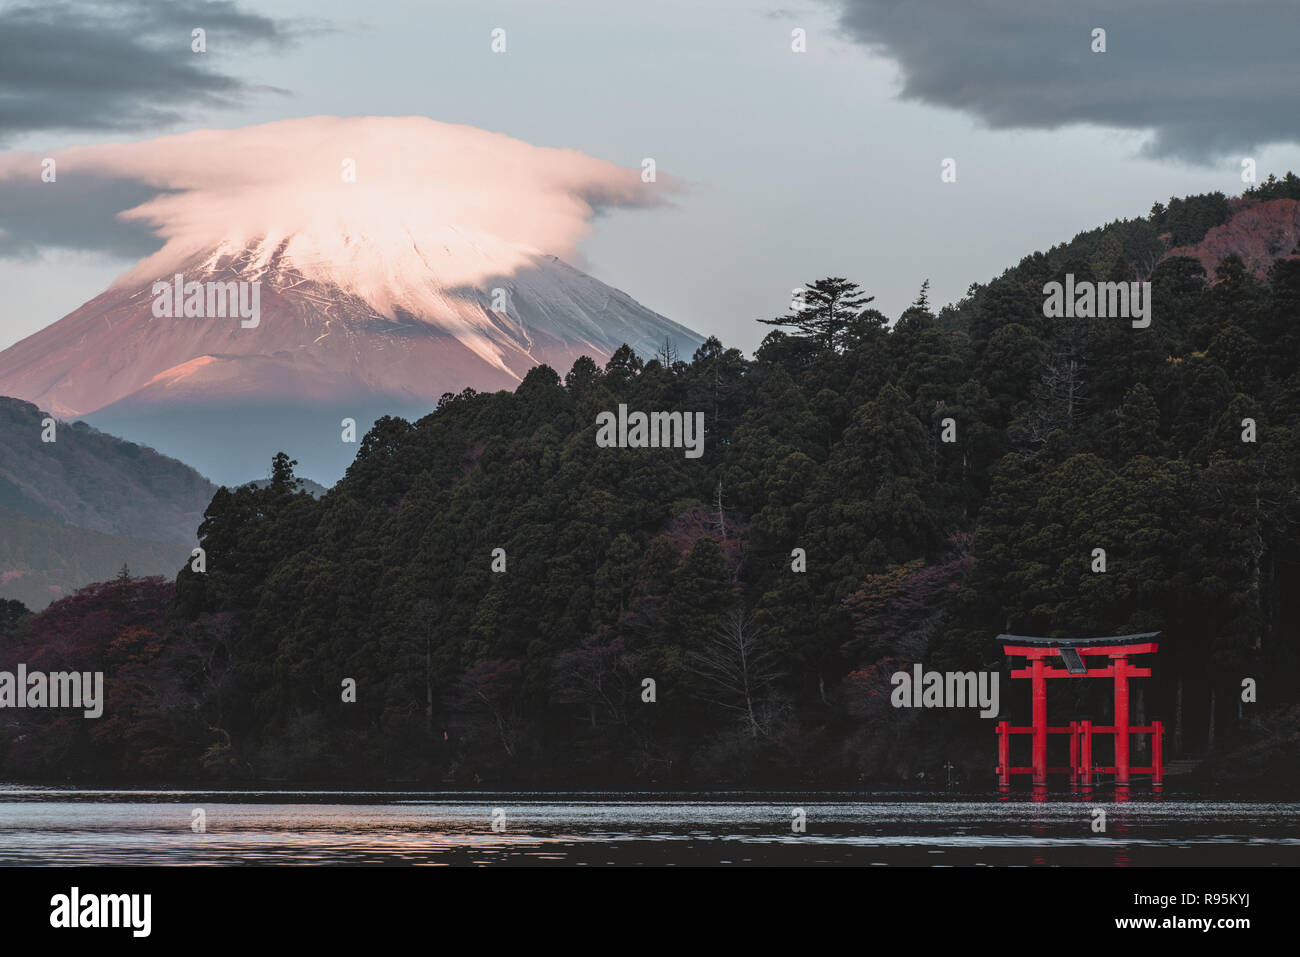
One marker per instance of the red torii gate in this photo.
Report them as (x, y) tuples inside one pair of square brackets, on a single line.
[(1072, 652)]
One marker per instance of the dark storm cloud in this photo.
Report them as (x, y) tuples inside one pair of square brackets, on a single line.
[(1206, 79), (121, 64), (80, 214)]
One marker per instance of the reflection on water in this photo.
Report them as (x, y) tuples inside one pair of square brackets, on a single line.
[(52, 826)]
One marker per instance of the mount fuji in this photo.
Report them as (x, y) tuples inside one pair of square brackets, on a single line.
[(224, 398), (432, 272)]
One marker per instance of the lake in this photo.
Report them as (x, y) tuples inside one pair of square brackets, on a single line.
[(51, 826)]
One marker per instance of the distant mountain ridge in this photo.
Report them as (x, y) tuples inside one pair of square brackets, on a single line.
[(96, 481), (77, 509), (42, 561)]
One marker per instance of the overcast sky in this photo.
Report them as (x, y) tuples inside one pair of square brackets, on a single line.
[(790, 166)]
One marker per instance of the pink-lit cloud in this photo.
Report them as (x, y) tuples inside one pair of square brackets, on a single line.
[(460, 201)]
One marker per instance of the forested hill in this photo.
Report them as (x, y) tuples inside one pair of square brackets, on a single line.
[(1207, 227), (828, 536)]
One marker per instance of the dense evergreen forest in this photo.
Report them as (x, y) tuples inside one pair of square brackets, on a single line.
[(872, 493)]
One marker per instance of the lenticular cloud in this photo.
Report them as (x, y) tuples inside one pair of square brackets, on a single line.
[(355, 201)]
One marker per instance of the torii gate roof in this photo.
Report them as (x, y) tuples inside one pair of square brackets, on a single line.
[(1078, 642)]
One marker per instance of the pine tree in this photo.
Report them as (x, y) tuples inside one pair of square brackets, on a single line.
[(828, 308)]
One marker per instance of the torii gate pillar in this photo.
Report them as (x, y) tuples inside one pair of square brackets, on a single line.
[(1039, 681), (1121, 720)]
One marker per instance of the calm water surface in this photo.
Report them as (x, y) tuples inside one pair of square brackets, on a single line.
[(75, 827)]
